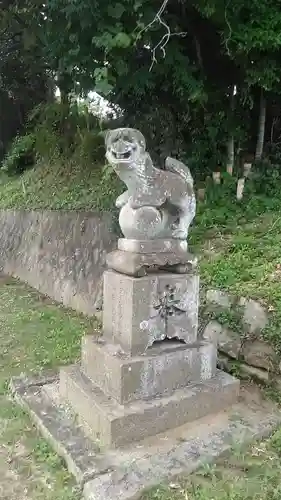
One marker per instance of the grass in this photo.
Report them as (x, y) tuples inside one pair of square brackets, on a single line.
[(239, 248), (60, 187), (35, 334), (238, 242), (245, 475)]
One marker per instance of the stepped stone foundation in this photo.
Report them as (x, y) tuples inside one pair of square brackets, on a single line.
[(149, 372)]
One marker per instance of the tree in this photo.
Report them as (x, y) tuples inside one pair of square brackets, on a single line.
[(251, 34), (171, 66), (23, 80)]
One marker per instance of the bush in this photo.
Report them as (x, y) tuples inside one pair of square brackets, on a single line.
[(20, 155), (265, 179), (273, 153), (66, 131)]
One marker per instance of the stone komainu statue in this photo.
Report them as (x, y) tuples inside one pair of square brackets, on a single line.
[(157, 203)]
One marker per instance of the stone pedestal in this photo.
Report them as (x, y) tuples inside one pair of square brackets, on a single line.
[(140, 311), (149, 372), (139, 257), (149, 375)]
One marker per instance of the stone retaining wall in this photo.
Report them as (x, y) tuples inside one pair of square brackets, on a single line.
[(239, 326), (62, 254)]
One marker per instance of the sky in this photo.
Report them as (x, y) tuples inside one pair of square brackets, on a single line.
[(97, 103)]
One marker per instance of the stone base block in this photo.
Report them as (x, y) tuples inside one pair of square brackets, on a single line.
[(163, 245), (162, 369), (140, 264), (125, 474), (114, 425), (140, 311)]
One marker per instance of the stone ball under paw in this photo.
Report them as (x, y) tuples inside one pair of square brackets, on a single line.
[(143, 223)]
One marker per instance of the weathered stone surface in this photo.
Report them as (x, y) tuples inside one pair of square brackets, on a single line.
[(124, 474), (277, 383), (158, 203), (252, 371), (245, 371), (137, 264), (62, 254), (114, 425), (163, 245), (255, 316), (243, 425), (208, 357), (18, 384), (137, 314), (212, 331), (164, 368), (260, 354), (57, 425), (219, 298), (229, 341)]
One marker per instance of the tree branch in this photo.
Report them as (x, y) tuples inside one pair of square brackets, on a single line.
[(165, 38), (227, 40)]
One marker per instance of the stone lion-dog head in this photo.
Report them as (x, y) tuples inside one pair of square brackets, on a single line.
[(124, 146)]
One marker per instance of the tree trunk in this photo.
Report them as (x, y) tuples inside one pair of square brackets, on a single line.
[(230, 155), (230, 143), (64, 97), (198, 53), (64, 84), (50, 89), (261, 130)]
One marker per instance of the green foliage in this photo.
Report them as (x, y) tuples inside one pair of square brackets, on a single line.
[(265, 178), (62, 186), (273, 154), (20, 156), (23, 77), (177, 88), (276, 442), (245, 473), (65, 131), (239, 248), (230, 318), (171, 73)]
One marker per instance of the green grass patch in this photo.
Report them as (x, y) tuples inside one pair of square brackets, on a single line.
[(239, 249), (35, 333), (245, 475), (238, 242), (58, 186)]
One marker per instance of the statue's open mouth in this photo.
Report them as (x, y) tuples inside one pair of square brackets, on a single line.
[(122, 156)]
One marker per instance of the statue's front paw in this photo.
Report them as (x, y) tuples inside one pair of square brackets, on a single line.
[(180, 234), (119, 203), (135, 204), (122, 200)]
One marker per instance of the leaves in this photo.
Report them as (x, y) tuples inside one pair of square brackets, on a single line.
[(102, 84), (183, 102), (122, 40), (116, 11)]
